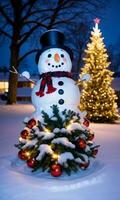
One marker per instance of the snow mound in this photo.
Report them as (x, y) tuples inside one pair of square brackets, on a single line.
[(95, 170)]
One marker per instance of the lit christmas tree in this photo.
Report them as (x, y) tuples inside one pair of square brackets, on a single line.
[(61, 143), (98, 98)]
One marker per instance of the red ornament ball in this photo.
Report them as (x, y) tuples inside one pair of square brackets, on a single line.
[(56, 170), (24, 134), (23, 155), (91, 136), (94, 152), (31, 163), (86, 122), (81, 143), (84, 165), (31, 123)]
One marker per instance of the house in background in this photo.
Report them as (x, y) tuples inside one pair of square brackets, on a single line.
[(23, 90), (3, 82)]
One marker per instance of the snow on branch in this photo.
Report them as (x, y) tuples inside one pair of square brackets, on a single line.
[(44, 149), (64, 141), (46, 135), (75, 126), (30, 143), (64, 157)]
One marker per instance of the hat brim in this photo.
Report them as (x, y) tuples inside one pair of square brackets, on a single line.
[(67, 49)]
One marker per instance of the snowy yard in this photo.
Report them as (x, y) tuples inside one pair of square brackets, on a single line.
[(100, 182)]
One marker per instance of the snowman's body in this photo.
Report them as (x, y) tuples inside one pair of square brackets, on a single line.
[(66, 96), (67, 93)]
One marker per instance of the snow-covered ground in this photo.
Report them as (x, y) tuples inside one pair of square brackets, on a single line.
[(100, 182)]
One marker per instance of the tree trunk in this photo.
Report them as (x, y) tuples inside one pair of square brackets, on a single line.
[(14, 49), (13, 78), (14, 61)]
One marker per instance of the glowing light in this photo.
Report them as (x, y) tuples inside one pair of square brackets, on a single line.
[(46, 130), (55, 156), (27, 153), (98, 98), (68, 126)]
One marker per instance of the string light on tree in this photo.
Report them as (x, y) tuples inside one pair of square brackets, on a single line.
[(98, 98), (55, 156)]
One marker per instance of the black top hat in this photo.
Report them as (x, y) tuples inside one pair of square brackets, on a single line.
[(53, 39)]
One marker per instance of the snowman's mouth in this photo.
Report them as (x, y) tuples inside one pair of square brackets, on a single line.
[(56, 66)]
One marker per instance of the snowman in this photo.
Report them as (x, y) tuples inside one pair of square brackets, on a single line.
[(56, 85)]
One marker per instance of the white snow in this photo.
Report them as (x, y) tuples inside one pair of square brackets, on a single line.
[(22, 140), (30, 143), (78, 160), (26, 119), (54, 118), (100, 181), (56, 130), (46, 135), (85, 77), (75, 126), (44, 149), (64, 157), (87, 148), (26, 74), (62, 130), (64, 141)]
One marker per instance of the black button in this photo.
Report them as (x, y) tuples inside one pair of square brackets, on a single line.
[(60, 83), (49, 55), (61, 91), (61, 101)]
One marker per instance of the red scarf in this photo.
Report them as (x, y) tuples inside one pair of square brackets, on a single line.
[(47, 81)]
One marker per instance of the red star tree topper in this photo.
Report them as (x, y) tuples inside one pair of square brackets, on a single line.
[(96, 21)]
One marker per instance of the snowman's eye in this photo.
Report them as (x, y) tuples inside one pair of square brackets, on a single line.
[(49, 55), (62, 55)]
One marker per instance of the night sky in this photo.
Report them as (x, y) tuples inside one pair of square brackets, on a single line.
[(109, 26)]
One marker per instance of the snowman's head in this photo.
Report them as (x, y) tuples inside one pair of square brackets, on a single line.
[(54, 59)]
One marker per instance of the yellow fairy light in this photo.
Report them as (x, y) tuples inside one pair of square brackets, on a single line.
[(69, 125), (46, 130), (27, 153), (55, 156)]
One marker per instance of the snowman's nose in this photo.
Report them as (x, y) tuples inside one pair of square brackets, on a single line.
[(57, 57)]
